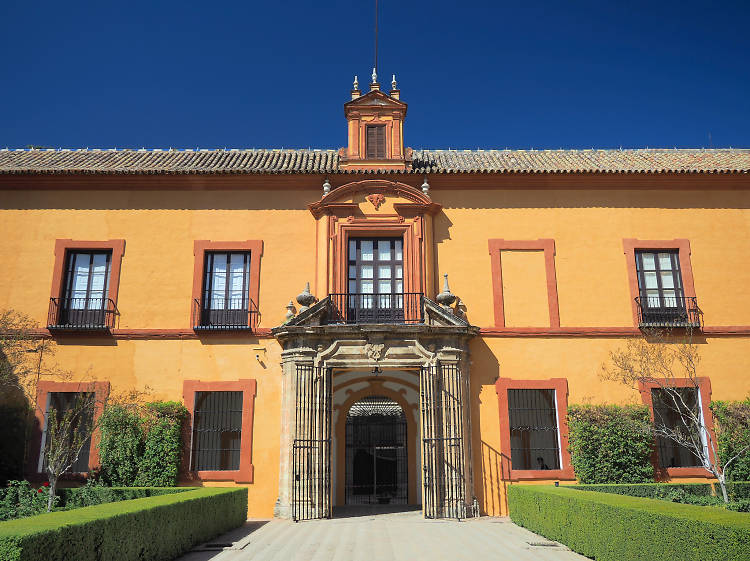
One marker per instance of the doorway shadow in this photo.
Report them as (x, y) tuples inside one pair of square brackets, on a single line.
[(355, 511)]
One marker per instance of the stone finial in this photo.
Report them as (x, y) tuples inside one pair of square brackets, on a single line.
[(374, 76), (446, 297), (290, 311), (426, 187), (355, 86), (326, 187), (305, 298), (394, 86)]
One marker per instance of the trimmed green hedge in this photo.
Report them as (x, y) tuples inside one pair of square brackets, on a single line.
[(609, 527), (152, 528), (736, 489), (88, 495)]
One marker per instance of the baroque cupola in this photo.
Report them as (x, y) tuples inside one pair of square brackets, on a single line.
[(376, 129)]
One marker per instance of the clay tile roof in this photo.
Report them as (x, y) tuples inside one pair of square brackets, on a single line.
[(235, 161)]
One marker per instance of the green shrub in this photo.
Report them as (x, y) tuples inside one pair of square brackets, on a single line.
[(610, 527), (687, 493), (94, 493), (153, 528), (142, 445), (19, 499), (610, 444), (733, 434)]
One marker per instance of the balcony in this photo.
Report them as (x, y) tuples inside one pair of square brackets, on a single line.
[(669, 312), (357, 308), (224, 315), (81, 314)]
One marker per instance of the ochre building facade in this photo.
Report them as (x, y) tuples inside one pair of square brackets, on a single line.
[(185, 272)]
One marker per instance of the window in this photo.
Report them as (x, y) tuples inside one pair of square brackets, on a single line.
[(85, 291), (669, 407), (217, 430), (225, 289), (534, 440), (62, 402), (376, 142), (376, 279), (659, 279)]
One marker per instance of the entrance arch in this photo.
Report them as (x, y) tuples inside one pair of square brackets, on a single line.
[(376, 453)]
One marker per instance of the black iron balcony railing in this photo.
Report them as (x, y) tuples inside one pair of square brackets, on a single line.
[(402, 307), (81, 314), (232, 314), (673, 311)]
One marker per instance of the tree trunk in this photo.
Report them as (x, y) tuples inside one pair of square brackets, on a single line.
[(51, 490), (723, 486)]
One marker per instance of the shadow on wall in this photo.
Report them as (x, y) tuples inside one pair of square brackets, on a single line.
[(495, 475)]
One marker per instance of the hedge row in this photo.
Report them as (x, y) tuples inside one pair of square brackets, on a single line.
[(75, 497), (154, 528), (735, 489), (609, 527)]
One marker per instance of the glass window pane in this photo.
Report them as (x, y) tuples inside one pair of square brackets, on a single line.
[(366, 248), (384, 250), (670, 299), (366, 271), (352, 287), (367, 286), (650, 279), (352, 250), (399, 253), (384, 287), (352, 272), (667, 280), (648, 261), (399, 287), (384, 272), (652, 299), (399, 272), (665, 261)]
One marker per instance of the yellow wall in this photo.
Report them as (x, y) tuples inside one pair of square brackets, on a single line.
[(587, 225)]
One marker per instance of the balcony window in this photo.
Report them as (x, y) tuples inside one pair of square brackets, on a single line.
[(534, 438), (84, 302), (217, 430), (225, 302), (661, 300)]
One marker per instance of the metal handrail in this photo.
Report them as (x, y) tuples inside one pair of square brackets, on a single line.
[(224, 314), (671, 311), (84, 314), (359, 307)]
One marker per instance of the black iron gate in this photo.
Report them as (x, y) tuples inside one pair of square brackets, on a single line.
[(376, 453), (443, 480), (311, 449)]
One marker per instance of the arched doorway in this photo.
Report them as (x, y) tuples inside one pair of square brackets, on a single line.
[(376, 453)]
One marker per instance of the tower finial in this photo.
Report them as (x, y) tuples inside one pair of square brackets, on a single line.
[(355, 86), (374, 75), (394, 86)]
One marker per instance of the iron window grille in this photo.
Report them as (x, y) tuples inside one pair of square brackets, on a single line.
[(217, 431), (662, 301), (225, 302), (83, 304), (534, 434), (671, 407), (62, 402)]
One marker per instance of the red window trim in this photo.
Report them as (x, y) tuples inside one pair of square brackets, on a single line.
[(63, 246), (44, 387), (704, 386), (560, 385), (681, 245), (255, 247), (496, 246), (248, 388)]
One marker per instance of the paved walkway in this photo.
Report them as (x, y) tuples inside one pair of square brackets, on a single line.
[(400, 536)]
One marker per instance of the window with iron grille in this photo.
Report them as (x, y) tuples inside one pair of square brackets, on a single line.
[(659, 279), (534, 442), (63, 402), (376, 142), (671, 408), (225, 288), (217, 431)]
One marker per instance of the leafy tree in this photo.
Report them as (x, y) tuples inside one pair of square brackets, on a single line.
[(733, 420), (671, 363)]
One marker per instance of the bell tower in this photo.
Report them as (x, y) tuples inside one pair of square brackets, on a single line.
[(376, 129)]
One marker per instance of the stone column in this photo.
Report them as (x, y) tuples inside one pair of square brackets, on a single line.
[(290, 359)]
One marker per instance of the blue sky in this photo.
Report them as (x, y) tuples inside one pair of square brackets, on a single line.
[(521, 74)]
